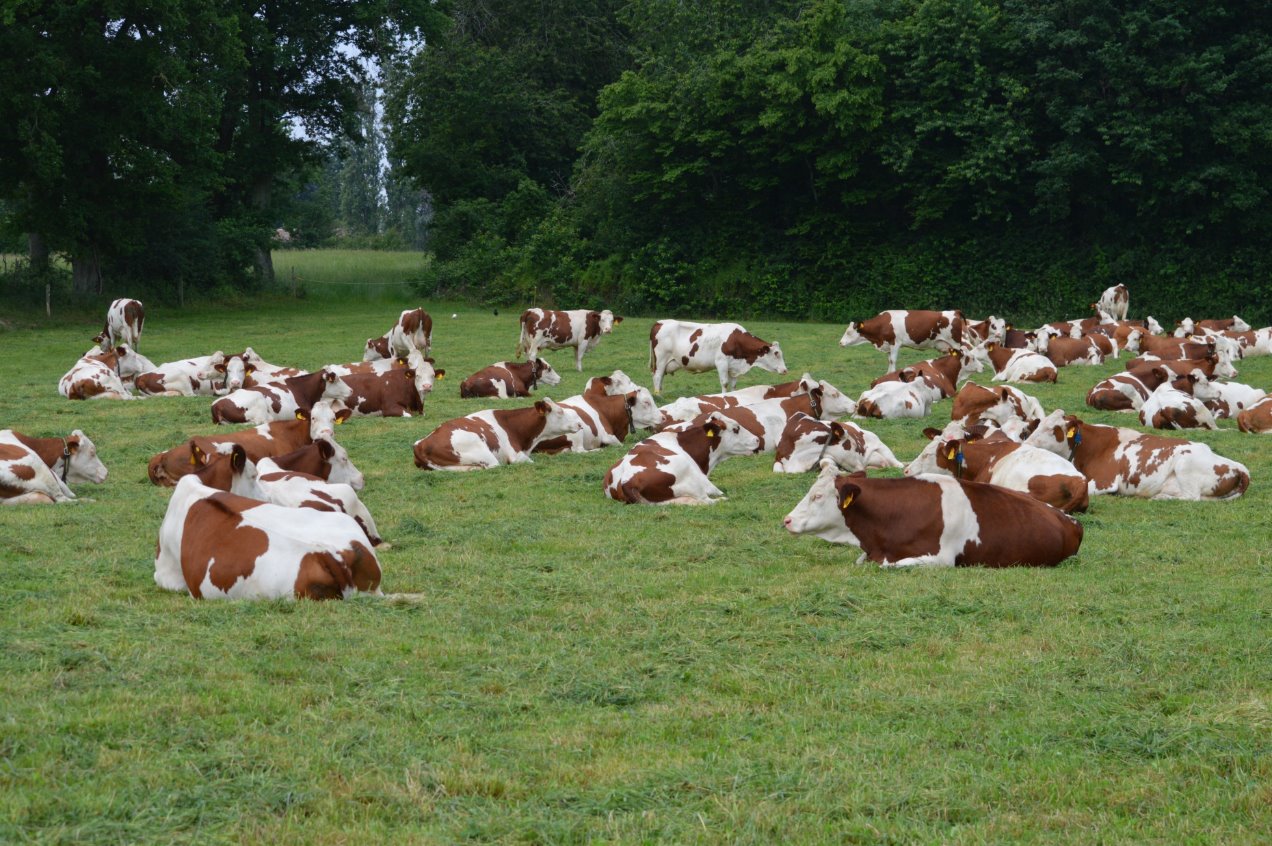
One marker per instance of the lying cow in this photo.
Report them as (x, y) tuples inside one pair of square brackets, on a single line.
[(101, 374), (942, 374), (493, 437), (998, 460), (217, 545), (543, 329), (726, 348), (264, 403), (806, 441), (397, 392), (1188, 327), (767, 419), (1233, 398), (1020, 365), (891, 330), (1065, 351), (934, 521), (607, 420), (1127, 391), (260, 372), (672, 468), (124, 321), (687, 408), (1257, 419), (1168, 407), (1211, 366), (1113, 303), (909, 397), (412, 331), (1123, 461), (998, 404), (204, 375), (509, 379), (38, 470)]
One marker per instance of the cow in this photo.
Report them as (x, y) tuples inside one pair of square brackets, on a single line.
[(1113, 303), (976, 402), (217, 545), (543, 329), (936, 521), (413, 331), (397, 392), (942, 374), (1066, 329), (189, 377), (1233, 398), (1257, 419), (269, 481), (1020, 365), (617, 382), (997, 459), (124, 322), (509, 379), (1188, 327), (1127, 391), (767, 419), (891, 330), (673, 467), (38, 470), (1168, 407), (991, 330), (279, 402), (268, 439), (687, 408), (1255, 342), (726, 348), (258, 372), (493, 437), (100, 374), (1065, 351), (607, 420), (1211, 366), (806, 441), (1117, 460), (909, 397)]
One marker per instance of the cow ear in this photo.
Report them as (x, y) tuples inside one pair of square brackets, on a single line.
[(848, 494), (439, 374), (238, 458), (631, 399), (123, 350), (301, 414), (410, 372), (618, 319), (541, 406), (220, 368), (991, 346), (906, 375), (712, 428), (836, 432), (325, 448), (1031, 427), (72, 444), (328, 376), (931, 433), (197, 455)]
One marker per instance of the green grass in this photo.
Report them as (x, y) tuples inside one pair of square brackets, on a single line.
[(583, 671), (366, 275)]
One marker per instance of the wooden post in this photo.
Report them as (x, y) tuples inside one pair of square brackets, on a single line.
[(181, 290), (293, 276), (48, 300)]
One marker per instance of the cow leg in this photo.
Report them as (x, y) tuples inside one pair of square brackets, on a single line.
[(917, 561), (660, 370), (893, 351), (578, 355), (31, 498), (727, 380)]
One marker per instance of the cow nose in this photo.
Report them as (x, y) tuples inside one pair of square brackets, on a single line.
[(787, 523)]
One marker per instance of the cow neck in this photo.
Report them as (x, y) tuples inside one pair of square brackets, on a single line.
[(806, 402), (306, 460), (742, 345), (1096, 440), (613, 410), (948, 366), (302, 389), (999, 356), (522, 425), (50, 450), (699, 447)]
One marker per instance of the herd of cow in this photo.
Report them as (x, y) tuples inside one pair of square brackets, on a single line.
[(273, 510)]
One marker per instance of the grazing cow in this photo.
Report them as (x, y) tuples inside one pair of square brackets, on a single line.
[(672, 468), (996, 459), (1066, 351), (1001, 403), (1127, 391), (218, 545), (909, 397), (189, 377), (687, 408), (1123, 461), (726, 348), (607, 419), (1233, 398), (413, 331), (279, 402), (492, 437), (806, 441), (1170, 408), (542, 329), (269, 439), (942, 374), (124, 322), (509, 379), (1256, 419), (100, 375), (37, 470), (1020, 365), (891, 330), (396, 392), (934, 521), (1113, 303), (1188, 327)]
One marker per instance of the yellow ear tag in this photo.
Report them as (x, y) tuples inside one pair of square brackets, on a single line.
[(192, 461), (300, 415), (441, 375), (251, 370), (950, 454), (847, 502), (1072, 431), (710, 434), (339, 420)]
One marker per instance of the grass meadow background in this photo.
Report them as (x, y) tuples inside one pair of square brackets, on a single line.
[(583, 671)]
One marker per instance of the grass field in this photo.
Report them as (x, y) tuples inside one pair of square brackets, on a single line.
[(584, 671)]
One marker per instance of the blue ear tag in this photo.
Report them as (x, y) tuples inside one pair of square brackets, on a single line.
[(959, 457), (1077, 439)]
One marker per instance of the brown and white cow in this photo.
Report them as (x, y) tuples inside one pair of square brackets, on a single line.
[(124, 322), (806, 441), (996, 459), (1117, 460), (942, 374), (1233, 398), (1211, 366), (767, 419), (1020, 365), (257, 372), (1257, 419), (607, 419), (891, 330), (909, 397), (672, 467), (687, 408), (544, 329), (998, 404), (1188, 326), (264, 403), (38, 470), (991, 330), (188, 377), (1168, 407), (1113, 303), (397, 392), (726, 348), (101, 374), (268, 439), (1127, 391), (412, 331), (492, 437), (1065, 351), (934, 521), (505, 379), (217, 545)]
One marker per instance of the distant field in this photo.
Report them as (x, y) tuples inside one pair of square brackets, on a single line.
[(348, 274), (583, 671)]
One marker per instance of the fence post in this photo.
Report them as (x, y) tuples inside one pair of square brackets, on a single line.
[(293, 285), (48, 299)]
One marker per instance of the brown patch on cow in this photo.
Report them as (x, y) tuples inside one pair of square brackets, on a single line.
[(326, 575), (391, 393), (153, 383), (592, 326), (556, 325), (878, 330), (282, 437), (925, 325), (1067, 493), (22, 472), (215, 544), (8, 452), (519, 379), (744, 346), (890, 518)]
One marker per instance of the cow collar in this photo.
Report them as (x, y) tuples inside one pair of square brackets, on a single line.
[(631, 424), (66, 459), (814, 403)]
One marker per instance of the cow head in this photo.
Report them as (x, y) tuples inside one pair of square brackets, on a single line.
[(131, 362), (727, 438), (834, 402), (926, 461), (334, 388), (82, 463), (822, 510), (851, 336), (1154, 328), (771, 359), (376, 349), (1185, 327), (607, 322), (974, 359), (342, 469), (422, 372), (644, 411), (1057, 432), (324, 417), (557, 420), (544, 374), (235, 369)]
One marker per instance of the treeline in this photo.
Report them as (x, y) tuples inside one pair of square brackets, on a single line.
[(828, 159)]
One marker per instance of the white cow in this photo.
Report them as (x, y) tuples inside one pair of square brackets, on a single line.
[(726, 348), (37, 470), (672, 468)]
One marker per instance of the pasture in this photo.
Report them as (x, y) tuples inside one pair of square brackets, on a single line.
[(579, 670)]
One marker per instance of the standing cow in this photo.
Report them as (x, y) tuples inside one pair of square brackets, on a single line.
[(542, 329), (413, 331), (726, 348), (891, 330), (1113, 303), (124, 322)]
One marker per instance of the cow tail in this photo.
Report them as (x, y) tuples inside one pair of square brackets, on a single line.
[(523, 343)]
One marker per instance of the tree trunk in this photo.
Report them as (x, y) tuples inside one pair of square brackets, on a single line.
[(38, 252), (86, 272), (262, 193), (265, 267)]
